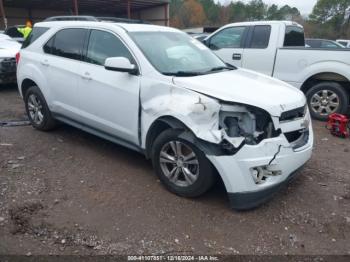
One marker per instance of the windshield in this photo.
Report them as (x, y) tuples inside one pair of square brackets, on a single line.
[(173, 53)]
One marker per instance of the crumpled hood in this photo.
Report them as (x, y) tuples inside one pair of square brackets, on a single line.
[(246, 87)]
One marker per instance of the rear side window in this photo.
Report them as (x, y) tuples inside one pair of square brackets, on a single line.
[(48, 47), (294, 36), (34, 35), (261, 36), (68, 43), (103, 45)]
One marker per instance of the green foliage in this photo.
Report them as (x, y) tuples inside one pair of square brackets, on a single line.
[(255, 10), (333, 16), (329, 19), (237, 11), (212, 11)]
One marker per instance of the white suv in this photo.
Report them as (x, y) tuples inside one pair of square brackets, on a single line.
[(160, 92)]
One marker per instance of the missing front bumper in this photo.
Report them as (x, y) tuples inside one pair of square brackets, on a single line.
[(250, 200)]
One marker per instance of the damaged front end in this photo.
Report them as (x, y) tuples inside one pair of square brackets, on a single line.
[(252, 150), (241, 124), (217, 128)]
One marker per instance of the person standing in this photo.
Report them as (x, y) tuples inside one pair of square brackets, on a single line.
[(26, 30)]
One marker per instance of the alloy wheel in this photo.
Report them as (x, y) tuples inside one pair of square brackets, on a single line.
[(325, 102), (179, 163), (35, 109)]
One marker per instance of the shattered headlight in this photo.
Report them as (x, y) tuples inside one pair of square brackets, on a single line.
[(243, 124)]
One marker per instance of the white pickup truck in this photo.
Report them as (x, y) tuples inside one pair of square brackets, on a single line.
[(277, 48)]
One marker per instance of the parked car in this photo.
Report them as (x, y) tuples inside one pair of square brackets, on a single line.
[(176, 102), (13, 32), (345, 43), (200, 37), (8, 50), (3, 36), (322, 43), (277, 48)]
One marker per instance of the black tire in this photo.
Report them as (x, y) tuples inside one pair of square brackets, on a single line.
[(205, 178), (334, 87), (48, 122)]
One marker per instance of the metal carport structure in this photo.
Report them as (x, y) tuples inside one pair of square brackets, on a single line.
[(17, 11)]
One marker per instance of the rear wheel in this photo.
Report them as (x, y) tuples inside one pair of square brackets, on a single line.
[(180, 165), (327, 98), (37, 110)]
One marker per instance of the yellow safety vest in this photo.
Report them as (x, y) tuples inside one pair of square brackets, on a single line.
[(25, 31)]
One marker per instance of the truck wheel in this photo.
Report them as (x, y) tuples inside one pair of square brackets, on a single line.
[(327, 98), (37, 110), (181, 166)]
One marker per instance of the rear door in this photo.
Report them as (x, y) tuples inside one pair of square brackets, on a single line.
[(259, 53), (62, 62), (228, 44)]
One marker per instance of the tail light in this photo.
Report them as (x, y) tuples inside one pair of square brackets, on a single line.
[(18, 56)]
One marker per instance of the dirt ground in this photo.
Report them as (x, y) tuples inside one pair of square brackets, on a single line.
[(68, 192)]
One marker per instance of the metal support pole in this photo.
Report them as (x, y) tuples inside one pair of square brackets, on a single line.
[(76, 7), (2, 10), (166, 14), (129, 9)]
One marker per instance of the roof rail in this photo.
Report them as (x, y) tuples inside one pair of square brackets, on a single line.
[(71, 18), (121, 20), (94, 19)]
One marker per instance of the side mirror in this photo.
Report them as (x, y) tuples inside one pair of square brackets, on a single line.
[(209, 45), (121, 64)]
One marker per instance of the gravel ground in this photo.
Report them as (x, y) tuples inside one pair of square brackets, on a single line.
[(68, 192)]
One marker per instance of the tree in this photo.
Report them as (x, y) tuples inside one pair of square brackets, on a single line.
[(237, 12), (212, 11), (333, 15), (256, 10), (326, 10), (273, 13), (175, 19), (186, 13), (193, 13), (289, 13)]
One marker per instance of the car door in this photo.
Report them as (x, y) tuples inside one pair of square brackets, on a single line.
[(259, 52), (109, 100), (228, 44), (62, 60)]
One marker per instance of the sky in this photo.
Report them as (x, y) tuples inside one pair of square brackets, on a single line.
[(304, 6)]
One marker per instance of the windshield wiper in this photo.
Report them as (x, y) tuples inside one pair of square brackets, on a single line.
[(194, 73), (183, 73), (220, 68)]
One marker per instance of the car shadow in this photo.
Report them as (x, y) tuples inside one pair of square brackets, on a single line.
[(217, 195)]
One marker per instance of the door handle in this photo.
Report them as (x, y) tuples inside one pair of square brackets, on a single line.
[(45, 63), (236, 56), (86, 76)]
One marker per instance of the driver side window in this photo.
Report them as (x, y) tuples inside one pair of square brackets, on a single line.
[(103, 45), (228, 38)]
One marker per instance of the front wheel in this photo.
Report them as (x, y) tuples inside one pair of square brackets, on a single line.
[(327, 98), (180, 165)]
